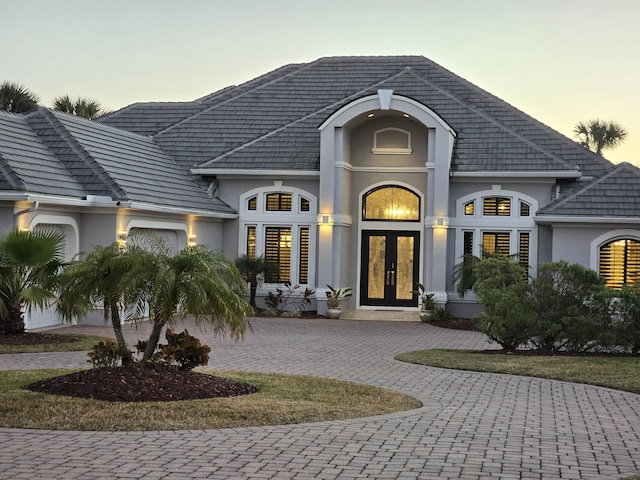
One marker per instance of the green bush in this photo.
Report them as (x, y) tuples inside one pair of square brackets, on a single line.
[(502, 290), (184, 350), (626, 327), (571, 306), (106, 353)]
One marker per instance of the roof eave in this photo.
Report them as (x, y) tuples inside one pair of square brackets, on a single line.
[(572, 174), (590, 220), (243, 172)]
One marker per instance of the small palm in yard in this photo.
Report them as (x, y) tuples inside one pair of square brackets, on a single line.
[(195, 281), (107, 276), (29, 263)]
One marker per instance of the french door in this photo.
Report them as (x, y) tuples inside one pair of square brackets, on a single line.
[(390, 268)]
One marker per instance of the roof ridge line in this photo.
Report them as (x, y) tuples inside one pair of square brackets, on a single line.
[(298, 120), (491, 119), (10, 175), (86, 158), (304, 66)]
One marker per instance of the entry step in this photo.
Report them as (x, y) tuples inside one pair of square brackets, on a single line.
[(382, 315)]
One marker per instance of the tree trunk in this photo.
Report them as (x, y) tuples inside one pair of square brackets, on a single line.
[(14, 324), (153, 341), (252, 290), (117, 330)]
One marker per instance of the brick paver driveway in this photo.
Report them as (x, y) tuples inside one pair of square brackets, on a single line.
[(472, 425)]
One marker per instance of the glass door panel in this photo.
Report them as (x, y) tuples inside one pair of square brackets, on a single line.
[(376, 270), (389, 271), (405, 267)]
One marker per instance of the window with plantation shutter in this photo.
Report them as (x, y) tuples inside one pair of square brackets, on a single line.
[(279, 223), (620, 262), (279, 202), (303, 274), (251, 241), (278, 251), (496, 243), (523, 252), (496, 206)]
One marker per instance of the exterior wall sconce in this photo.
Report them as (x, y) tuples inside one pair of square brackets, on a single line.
[(440, 222), (325, 219), (122, 239), (193, 240)]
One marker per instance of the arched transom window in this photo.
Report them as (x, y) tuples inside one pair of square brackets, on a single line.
[(620, 262), (391, 203)]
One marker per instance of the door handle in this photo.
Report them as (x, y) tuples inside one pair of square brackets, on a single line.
[(393, 277), (388, 275)]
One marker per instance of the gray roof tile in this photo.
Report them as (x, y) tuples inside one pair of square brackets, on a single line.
[(28, 165), (616, 194)]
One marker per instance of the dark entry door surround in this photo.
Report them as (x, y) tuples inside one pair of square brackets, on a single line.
[(390, 268)]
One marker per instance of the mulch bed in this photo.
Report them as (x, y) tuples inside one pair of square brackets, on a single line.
[(36, 339), (456, 324), (152, 383)]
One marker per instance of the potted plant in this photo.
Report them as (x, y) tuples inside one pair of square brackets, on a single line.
[(334, 297), (427, 304)]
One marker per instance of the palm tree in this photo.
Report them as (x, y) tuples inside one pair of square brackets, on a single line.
[(196, 281), (597, 135), (16, 98), (29, 263), (250, 268), (107, 276), (81, 107)]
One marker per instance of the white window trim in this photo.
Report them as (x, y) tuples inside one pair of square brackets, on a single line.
[(598, 242), (513, 224), (295, 219)]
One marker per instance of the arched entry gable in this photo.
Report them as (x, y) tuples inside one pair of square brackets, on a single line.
[(336, 197)]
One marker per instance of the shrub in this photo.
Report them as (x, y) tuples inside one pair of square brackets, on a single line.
[(106, 353), (502, 290), (440, 314), (626, 327), (184, 350), (571, 305)]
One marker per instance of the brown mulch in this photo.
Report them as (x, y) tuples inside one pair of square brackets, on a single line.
[(456, 324), (36, 339), (152, 383)]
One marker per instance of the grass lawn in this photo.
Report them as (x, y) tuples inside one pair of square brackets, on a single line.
[(619, 372), (282, 399)]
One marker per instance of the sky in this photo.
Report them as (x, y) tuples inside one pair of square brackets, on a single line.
[(560, 61)]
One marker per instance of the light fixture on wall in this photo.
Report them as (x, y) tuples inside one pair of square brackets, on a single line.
[(193, 240), (122, 239), (440, 222)]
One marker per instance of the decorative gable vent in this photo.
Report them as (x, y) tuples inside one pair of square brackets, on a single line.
[(391, 141)]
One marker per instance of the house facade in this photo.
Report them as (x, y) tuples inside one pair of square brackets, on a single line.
[(374, 173)]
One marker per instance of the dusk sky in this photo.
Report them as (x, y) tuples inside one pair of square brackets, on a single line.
[(560, 61)]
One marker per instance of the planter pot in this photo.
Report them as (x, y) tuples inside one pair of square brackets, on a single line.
[(425, 315), (334, 312)]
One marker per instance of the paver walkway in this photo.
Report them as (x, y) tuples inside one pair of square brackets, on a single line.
[(472, 425)]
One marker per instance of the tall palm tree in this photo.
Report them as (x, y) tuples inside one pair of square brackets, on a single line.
[(597, 135), (16, 98), (81, 107), (29, 263)]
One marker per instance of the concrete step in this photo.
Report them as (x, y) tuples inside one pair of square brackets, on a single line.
[(383, 315)]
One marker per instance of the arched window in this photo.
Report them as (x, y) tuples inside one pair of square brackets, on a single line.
[(391, 203), (279, 223), (620, 262)]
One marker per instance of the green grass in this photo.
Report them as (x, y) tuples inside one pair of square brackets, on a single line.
[(70, 343), (282, 399), (619, 372)]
